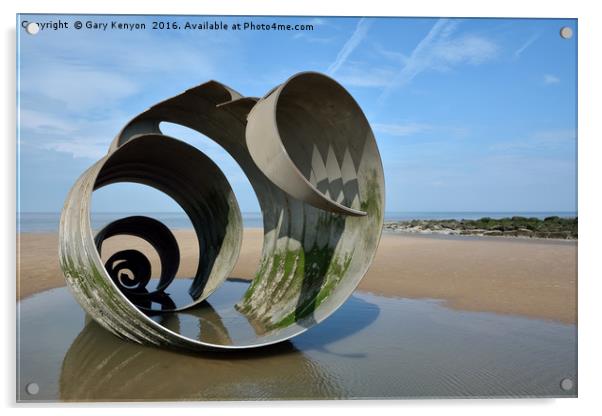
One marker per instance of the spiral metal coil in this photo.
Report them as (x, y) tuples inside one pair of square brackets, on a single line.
[(312, 160)]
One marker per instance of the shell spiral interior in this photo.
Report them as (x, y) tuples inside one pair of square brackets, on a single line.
[(312, 160)]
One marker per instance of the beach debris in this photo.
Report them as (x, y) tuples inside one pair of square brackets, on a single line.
[(311, 157)]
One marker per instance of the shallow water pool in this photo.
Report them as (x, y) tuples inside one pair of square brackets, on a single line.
[(372, 347)]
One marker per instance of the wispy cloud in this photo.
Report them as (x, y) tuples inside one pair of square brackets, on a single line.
[(539, 140), (555, 136), (83, 89), (77, 136), (357, 75), (440, 50), (360, 32), (318, 25), (549, 79), (314, 39), (316, 21), (79, 149), (395, 56), (411, 128), (40, 122), (401, 130), (525, 45), (75, 98)]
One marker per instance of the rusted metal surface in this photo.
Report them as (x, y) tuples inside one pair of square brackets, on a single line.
[(312, 160)]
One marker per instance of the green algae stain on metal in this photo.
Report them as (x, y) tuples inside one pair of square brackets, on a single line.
[(335, 271)]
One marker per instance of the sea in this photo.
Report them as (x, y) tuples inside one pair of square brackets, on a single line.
[(44, 222)]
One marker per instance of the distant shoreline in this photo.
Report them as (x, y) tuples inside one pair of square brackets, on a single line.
[(552, 227), (40, 222)]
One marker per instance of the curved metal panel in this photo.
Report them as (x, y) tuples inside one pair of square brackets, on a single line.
[(311, 157), (306, 136)]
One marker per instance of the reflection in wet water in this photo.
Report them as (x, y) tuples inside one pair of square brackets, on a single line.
[(209, 325), (372, 347), (125, 371)]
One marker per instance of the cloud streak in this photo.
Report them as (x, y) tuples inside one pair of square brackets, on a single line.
[(356, 75), (539, 141), (525, 45), (406, 129), (401, 130), (79, 148), (550, 79), (361, 30), (76, 136), (80, 88), (440, 50), (74, 98)]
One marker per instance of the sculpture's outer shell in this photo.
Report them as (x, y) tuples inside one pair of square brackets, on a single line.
[(311, 157)]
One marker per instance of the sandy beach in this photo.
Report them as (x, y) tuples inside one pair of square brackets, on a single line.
[(533, 278)]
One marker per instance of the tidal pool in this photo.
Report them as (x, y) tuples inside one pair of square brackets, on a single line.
[(372, 347)]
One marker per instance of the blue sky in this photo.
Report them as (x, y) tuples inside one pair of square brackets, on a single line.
[(469, 114)]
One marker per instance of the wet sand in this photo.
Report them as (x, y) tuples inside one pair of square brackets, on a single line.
[(533, 278)]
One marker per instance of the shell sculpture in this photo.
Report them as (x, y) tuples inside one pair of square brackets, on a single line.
[(312, 160)]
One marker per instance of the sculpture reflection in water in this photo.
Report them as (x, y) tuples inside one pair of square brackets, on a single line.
[(98, 366), (312, 160)]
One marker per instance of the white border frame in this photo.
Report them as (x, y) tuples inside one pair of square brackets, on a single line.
[(589, 203)]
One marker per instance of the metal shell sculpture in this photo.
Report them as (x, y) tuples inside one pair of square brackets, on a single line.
[(312, 160)]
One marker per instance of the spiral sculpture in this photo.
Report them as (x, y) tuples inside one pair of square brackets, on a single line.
[(312, 160)]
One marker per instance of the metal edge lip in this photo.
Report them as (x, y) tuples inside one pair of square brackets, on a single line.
[(234, 97), (335, 206)]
